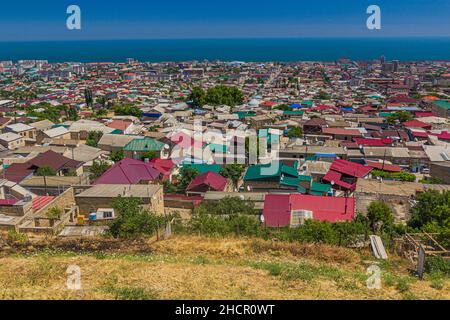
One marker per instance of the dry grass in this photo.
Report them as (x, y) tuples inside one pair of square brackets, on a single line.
[(205, 268)]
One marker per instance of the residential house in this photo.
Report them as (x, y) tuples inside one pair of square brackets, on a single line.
[(208, 181), (292, 210), (12, 140), (96, 202), (130, 171), (138, 147)]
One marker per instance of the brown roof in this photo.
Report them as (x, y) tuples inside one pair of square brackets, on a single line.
[(53, 160)]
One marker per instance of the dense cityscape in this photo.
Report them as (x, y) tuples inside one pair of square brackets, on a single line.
[(351, 154)]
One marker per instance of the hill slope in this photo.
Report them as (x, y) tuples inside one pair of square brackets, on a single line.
[(204, 268)]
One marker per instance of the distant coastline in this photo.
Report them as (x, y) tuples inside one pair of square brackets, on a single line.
[(255, 49)]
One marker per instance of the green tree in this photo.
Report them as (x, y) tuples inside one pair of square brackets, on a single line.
[(150, 155), (187, 174), (223, 95), (71, 114), (93, 138), (117, 156), (233, 172), (380, 216), (46, 172), (226, 207), (296, 132), (432, 208), (98, 169), (132, 220), (53, 214), (169, 188), (88, 97), (402, 116), (128, 111), (198, 97)]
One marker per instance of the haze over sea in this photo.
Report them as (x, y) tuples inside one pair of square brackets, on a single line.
[(286, 49)]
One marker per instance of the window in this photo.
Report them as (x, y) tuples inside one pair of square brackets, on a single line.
[(107, 215)]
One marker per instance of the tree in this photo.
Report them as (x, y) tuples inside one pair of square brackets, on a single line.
[(432, 207), (322, 95), (71, 114), (198, 97), (283, 107), (93, 138), (98, 169), (402, 116), (117, 156), (132, 220), (226, 207), (53, 214), (169, 188), (187, 175), (128, 111), (46, 172), (88, 97), (380, 216), (223, 95), (233, 172), (149, 155), (296, 132)]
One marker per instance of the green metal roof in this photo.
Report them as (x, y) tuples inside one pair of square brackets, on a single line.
[(144, 145), (385, 114), (256, 172), (320, 188), (290, 182), (293, 113), (442, 104), (203, 168), (244, 114), (290, 171)]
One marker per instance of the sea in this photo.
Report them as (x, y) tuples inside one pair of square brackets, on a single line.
[(256, 50)]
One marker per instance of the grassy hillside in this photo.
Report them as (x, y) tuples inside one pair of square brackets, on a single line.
[(203, 268)]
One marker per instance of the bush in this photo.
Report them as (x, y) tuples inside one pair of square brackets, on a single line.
[(132, 220), (438, 265), (14, 236)]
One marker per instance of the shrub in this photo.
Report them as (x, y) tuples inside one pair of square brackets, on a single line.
[(14, 236)]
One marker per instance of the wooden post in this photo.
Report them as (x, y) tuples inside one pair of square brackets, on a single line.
[(421, 262)]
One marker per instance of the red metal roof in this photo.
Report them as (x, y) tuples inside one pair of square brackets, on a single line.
[(277, 208), (209, 180), (350, 168), (416, 124), (365, 142), (40, 202), (385, 167), (129, 171)]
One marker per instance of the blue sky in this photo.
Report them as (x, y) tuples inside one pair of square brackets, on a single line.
[(147, 19)]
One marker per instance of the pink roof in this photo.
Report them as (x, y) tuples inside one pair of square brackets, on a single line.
[(369, 142), (129, 171), (186, 141), (416, 124), (7, 202), (165, 166), (350, 168), (424, 114), (209, 180), (419, 134), (444, 135), (278, 207)]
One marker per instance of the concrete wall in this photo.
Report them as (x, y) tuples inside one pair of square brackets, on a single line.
[(88, 204)]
